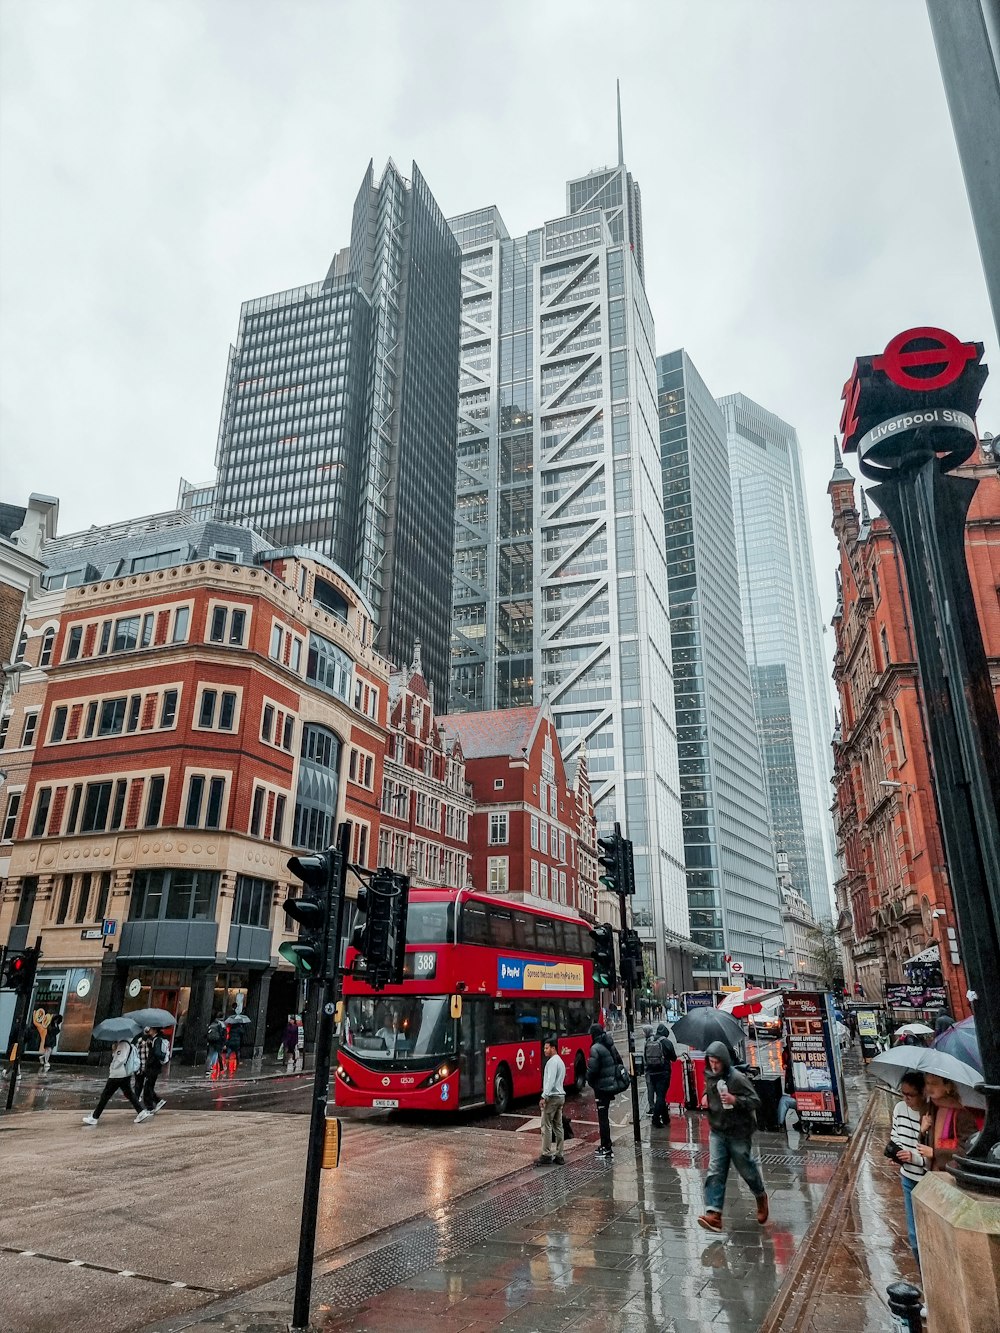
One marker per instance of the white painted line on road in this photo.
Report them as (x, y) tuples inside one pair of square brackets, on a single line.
[(534, 1123), (178, 1284), (76, 1263), (102, 1268), (126, 1272), (28, 1254)]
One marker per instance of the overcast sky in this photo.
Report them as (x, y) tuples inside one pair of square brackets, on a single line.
[(161, 162)]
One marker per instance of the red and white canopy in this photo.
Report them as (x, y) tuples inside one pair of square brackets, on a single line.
[(745, 1002)]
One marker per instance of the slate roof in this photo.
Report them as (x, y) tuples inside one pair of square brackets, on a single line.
[(108, 554), (11, 519), (505, 731)]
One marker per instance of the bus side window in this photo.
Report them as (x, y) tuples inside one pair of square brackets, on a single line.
[(503, 1025), (501, 928), (545, 935), (528, 1018), (474, 923), (524, 930)]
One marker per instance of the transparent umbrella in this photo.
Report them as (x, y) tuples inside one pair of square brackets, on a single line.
[(892, 1065), (123, 1028)]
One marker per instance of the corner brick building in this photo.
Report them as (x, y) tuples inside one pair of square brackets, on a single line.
[(194, 706), (896, 915)]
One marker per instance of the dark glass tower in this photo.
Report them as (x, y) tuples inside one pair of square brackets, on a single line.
[(337, 428)]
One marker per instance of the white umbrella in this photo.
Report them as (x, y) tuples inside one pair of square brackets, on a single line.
[(916, 1029), (892, 1065)]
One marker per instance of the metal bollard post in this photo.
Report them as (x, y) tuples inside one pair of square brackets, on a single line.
[(905, 1301)]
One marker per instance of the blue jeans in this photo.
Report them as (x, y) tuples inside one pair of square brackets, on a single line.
[(722, 1151), (911, 1225)]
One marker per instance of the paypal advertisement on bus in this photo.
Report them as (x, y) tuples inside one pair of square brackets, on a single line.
[(519, 974)]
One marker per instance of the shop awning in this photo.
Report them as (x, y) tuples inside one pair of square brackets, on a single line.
[(931, 955)]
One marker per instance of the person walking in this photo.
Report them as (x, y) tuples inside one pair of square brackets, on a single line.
[(292, 1044), (157, 1055), (905, 1138), (601, 1077), (233, 1047), (659, 1056), (142, 1044), (731, 1101), (51, 1039), (553, 1100), (216, 1039), (948, 1127), (124, 1067)]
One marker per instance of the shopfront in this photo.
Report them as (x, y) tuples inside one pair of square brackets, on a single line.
[(71, 992)]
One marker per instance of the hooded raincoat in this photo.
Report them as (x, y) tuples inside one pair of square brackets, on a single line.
[(739, 1121)]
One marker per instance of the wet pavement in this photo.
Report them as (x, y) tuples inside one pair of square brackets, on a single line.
[(592, 1245)]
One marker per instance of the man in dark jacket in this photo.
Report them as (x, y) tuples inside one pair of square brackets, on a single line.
[(731, 1100), (659, 1056), (601, 1077)]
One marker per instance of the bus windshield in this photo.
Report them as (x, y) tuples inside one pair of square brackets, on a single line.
[(387, 1028), (429, 923)]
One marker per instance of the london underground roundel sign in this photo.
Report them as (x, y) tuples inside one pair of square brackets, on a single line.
[(900, 359)]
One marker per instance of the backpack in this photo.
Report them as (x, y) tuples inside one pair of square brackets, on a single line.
[(161, 1050), (654, 1057), (217, 1033), (623, 1079), (132, 1061)]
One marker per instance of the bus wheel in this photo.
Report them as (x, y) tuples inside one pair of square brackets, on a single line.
[(579, 1074), (502, 1093)]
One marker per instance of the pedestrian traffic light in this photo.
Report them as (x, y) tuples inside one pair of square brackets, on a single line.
[(380, 928), (603, 954), (626, 866), (19, 971), (314, 953), (631, 959), (608, 858)]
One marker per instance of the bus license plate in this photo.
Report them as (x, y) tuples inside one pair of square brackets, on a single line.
[(385, 1103)]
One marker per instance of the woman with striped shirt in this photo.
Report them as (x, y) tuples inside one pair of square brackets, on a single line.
[(906, 1117)]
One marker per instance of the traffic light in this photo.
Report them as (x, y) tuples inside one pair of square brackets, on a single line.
[(19, 971), (603, 954), (380, 928), (314, 953), (626, 866), (631, 959), (608, 858)]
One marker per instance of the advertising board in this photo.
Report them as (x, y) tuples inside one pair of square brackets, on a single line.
[(814, 1054)]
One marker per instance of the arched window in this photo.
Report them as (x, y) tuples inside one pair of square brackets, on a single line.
[(48, 642)]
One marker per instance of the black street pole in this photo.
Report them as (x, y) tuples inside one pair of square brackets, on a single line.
[(630, 1025), (321, 1088), (927, 511), (19, 1027)]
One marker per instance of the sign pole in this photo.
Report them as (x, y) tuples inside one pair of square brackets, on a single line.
[(630, 1019), (321, 1087)]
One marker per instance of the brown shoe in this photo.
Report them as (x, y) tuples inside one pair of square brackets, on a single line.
[(711, 1221), (762, 1209)]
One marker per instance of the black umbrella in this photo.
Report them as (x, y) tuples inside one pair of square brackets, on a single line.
[(153, 1018), (701, 1027)]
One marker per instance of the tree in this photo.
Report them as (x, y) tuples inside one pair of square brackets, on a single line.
[(824, 943)]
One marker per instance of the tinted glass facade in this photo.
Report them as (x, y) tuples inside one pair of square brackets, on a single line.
[(733, 897), (784, 643), (560, 576), (337, 428)]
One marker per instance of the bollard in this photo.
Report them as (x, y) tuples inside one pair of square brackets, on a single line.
[(905, 1301)]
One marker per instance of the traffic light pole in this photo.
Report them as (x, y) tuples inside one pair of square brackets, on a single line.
[(630, 1026), (321, 1088), (19, 1028)]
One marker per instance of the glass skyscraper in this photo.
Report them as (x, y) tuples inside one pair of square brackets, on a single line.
[(784, 642), (337, 429), (560, 576), (732, 885)]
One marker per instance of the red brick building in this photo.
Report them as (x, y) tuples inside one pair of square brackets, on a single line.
[(426, 801), (525, 834), (894, 897), (194, 707)]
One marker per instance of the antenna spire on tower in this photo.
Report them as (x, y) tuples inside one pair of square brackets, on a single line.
[(618, 95)]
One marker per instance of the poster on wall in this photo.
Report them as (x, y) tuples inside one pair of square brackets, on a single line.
[(814, 1056), (698, 999)]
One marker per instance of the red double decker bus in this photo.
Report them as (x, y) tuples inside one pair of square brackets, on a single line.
[(486, 981)]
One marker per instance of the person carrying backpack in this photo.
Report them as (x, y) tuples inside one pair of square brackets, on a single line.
[(216, 1039), (658, 1057), (124, 1067), (157, 1055), (604, 1077)]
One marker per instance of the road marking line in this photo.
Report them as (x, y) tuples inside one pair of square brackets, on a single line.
[(103, 1268), (126, 1272)]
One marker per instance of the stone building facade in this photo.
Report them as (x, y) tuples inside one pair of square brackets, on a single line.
[(893, 895)]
